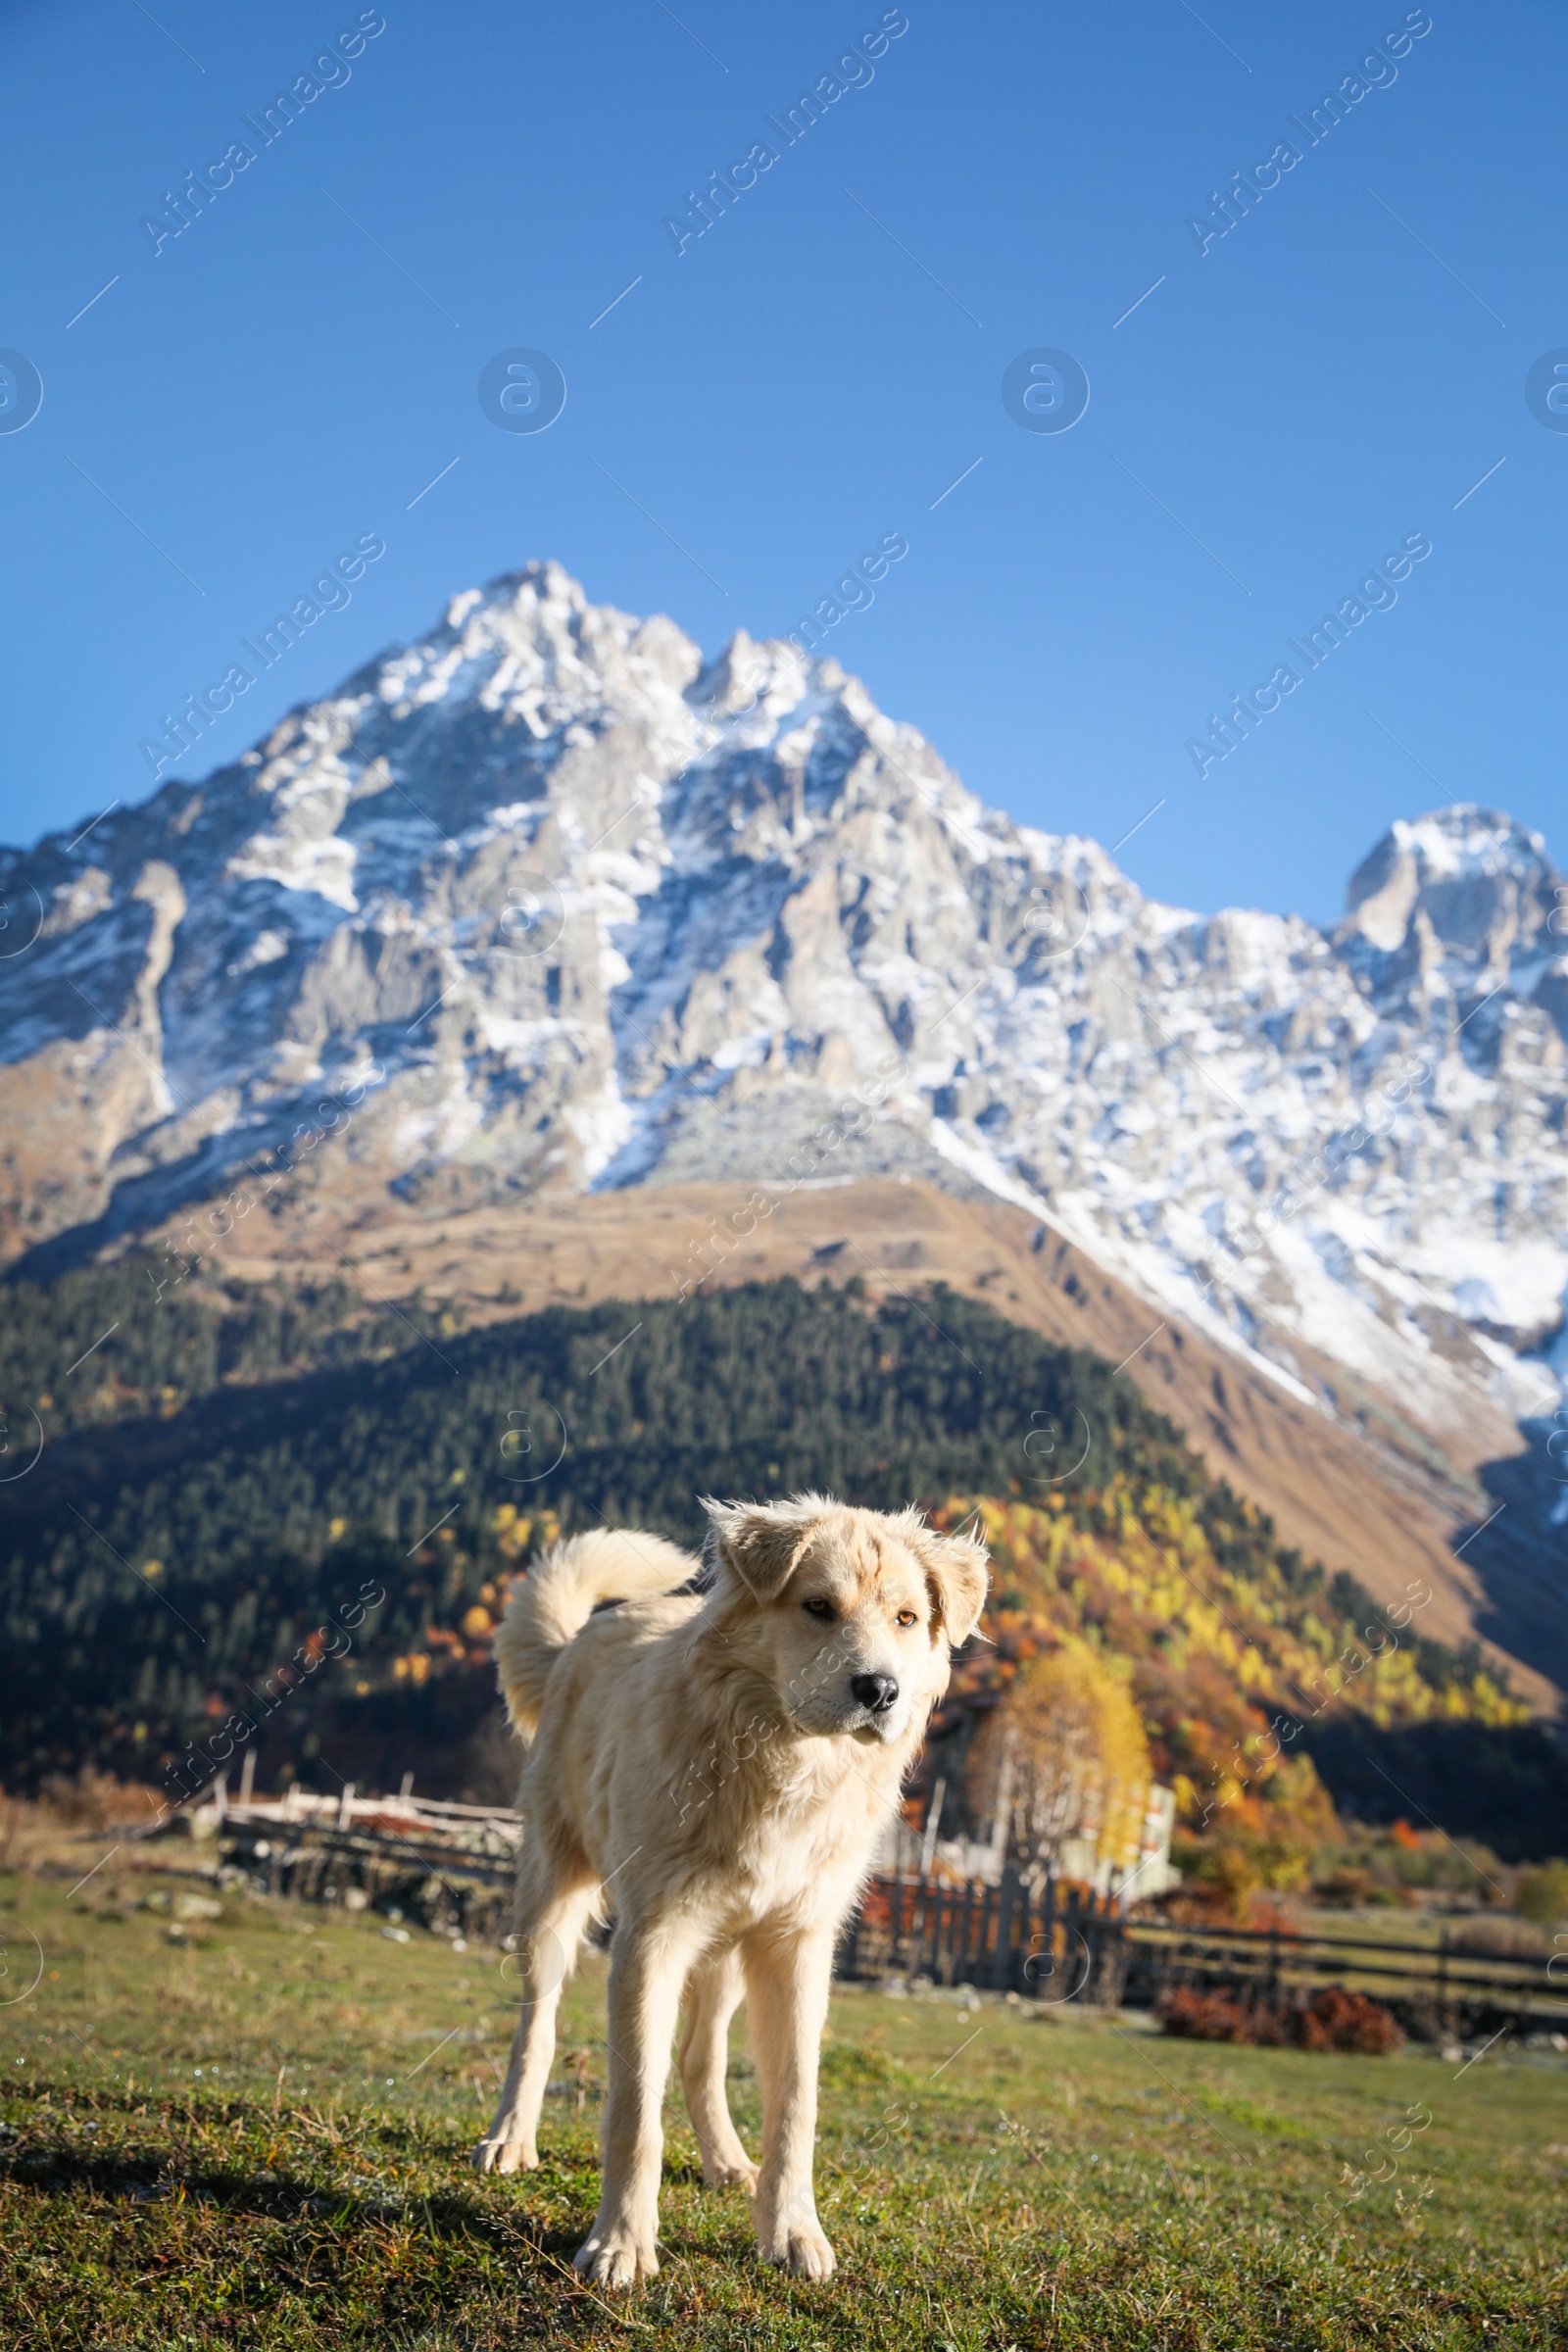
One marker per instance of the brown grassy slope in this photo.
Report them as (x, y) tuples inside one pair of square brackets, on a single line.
[(1381, 1499)]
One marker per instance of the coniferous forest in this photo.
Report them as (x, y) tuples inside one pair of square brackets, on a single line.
[(297, 1513)]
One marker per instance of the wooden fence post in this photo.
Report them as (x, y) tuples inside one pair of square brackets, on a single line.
[(1002, 1963), (1075, 1926), (1048, 1934), (1442, 1981)]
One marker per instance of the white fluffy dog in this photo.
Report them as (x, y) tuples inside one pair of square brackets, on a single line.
[(721, 1763)]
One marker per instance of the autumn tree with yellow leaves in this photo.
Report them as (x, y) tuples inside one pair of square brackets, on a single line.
[(1063, 1757)]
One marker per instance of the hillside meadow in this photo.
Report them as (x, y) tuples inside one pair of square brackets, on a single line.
[(251, 2130)]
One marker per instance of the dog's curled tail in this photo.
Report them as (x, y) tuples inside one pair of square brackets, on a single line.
[(559, 1595)]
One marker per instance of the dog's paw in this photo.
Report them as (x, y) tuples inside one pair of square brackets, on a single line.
[(804, 2250), (615, 2258), (730, 2175), (494, 2155)]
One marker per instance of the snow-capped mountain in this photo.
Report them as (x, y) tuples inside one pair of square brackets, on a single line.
[(545, 899)]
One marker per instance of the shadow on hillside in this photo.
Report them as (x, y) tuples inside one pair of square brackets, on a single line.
[(1519, 1560), (1507, 1785), (450, 1733), (136, 1205)]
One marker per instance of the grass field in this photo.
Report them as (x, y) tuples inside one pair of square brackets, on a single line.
[(257, 2135)]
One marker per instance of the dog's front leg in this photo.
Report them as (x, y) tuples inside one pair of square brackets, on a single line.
[(647, 1971), (787, 1979)]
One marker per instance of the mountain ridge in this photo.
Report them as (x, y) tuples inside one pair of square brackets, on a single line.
[(546, 901)]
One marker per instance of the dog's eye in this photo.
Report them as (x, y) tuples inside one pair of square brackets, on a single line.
[(818, 1607), (907, 1617)]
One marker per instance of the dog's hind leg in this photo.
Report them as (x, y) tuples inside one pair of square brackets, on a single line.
[(552, 1921), (713, 1992)]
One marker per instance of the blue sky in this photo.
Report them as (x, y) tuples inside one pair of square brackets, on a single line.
[(814, 372)]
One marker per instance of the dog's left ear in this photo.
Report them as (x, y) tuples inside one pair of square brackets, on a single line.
[(959, 1572), (762, 1541)]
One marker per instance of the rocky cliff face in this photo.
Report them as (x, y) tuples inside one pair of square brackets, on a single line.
[(545, 902)]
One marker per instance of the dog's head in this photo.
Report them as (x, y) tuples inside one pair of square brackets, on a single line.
[(851, 1615)]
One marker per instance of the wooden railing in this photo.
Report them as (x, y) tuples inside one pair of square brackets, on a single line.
[(1058, 1943), (1051, 1943), (452, 1886)]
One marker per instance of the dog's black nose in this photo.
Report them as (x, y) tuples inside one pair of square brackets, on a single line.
[(875, 1691)]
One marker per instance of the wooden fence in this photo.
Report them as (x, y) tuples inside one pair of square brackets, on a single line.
[(453, 1888), (1052, 1945), (1061, 1944), (1056, 1944)]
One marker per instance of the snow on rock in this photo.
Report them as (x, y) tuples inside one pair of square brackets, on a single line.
[(580, 907)]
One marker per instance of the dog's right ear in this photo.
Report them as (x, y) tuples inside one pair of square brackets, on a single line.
[(762, 1542)]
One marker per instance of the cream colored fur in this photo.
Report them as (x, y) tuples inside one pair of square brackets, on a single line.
[(553, 1605), (707, 1767)]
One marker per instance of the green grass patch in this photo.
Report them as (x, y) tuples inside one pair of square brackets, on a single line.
[(258, 2135)]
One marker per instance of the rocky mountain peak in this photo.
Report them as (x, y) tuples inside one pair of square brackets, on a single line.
[(557, 903), (1464, 894)]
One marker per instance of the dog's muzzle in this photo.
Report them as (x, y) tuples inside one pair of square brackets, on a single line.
[(877, 1697)]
